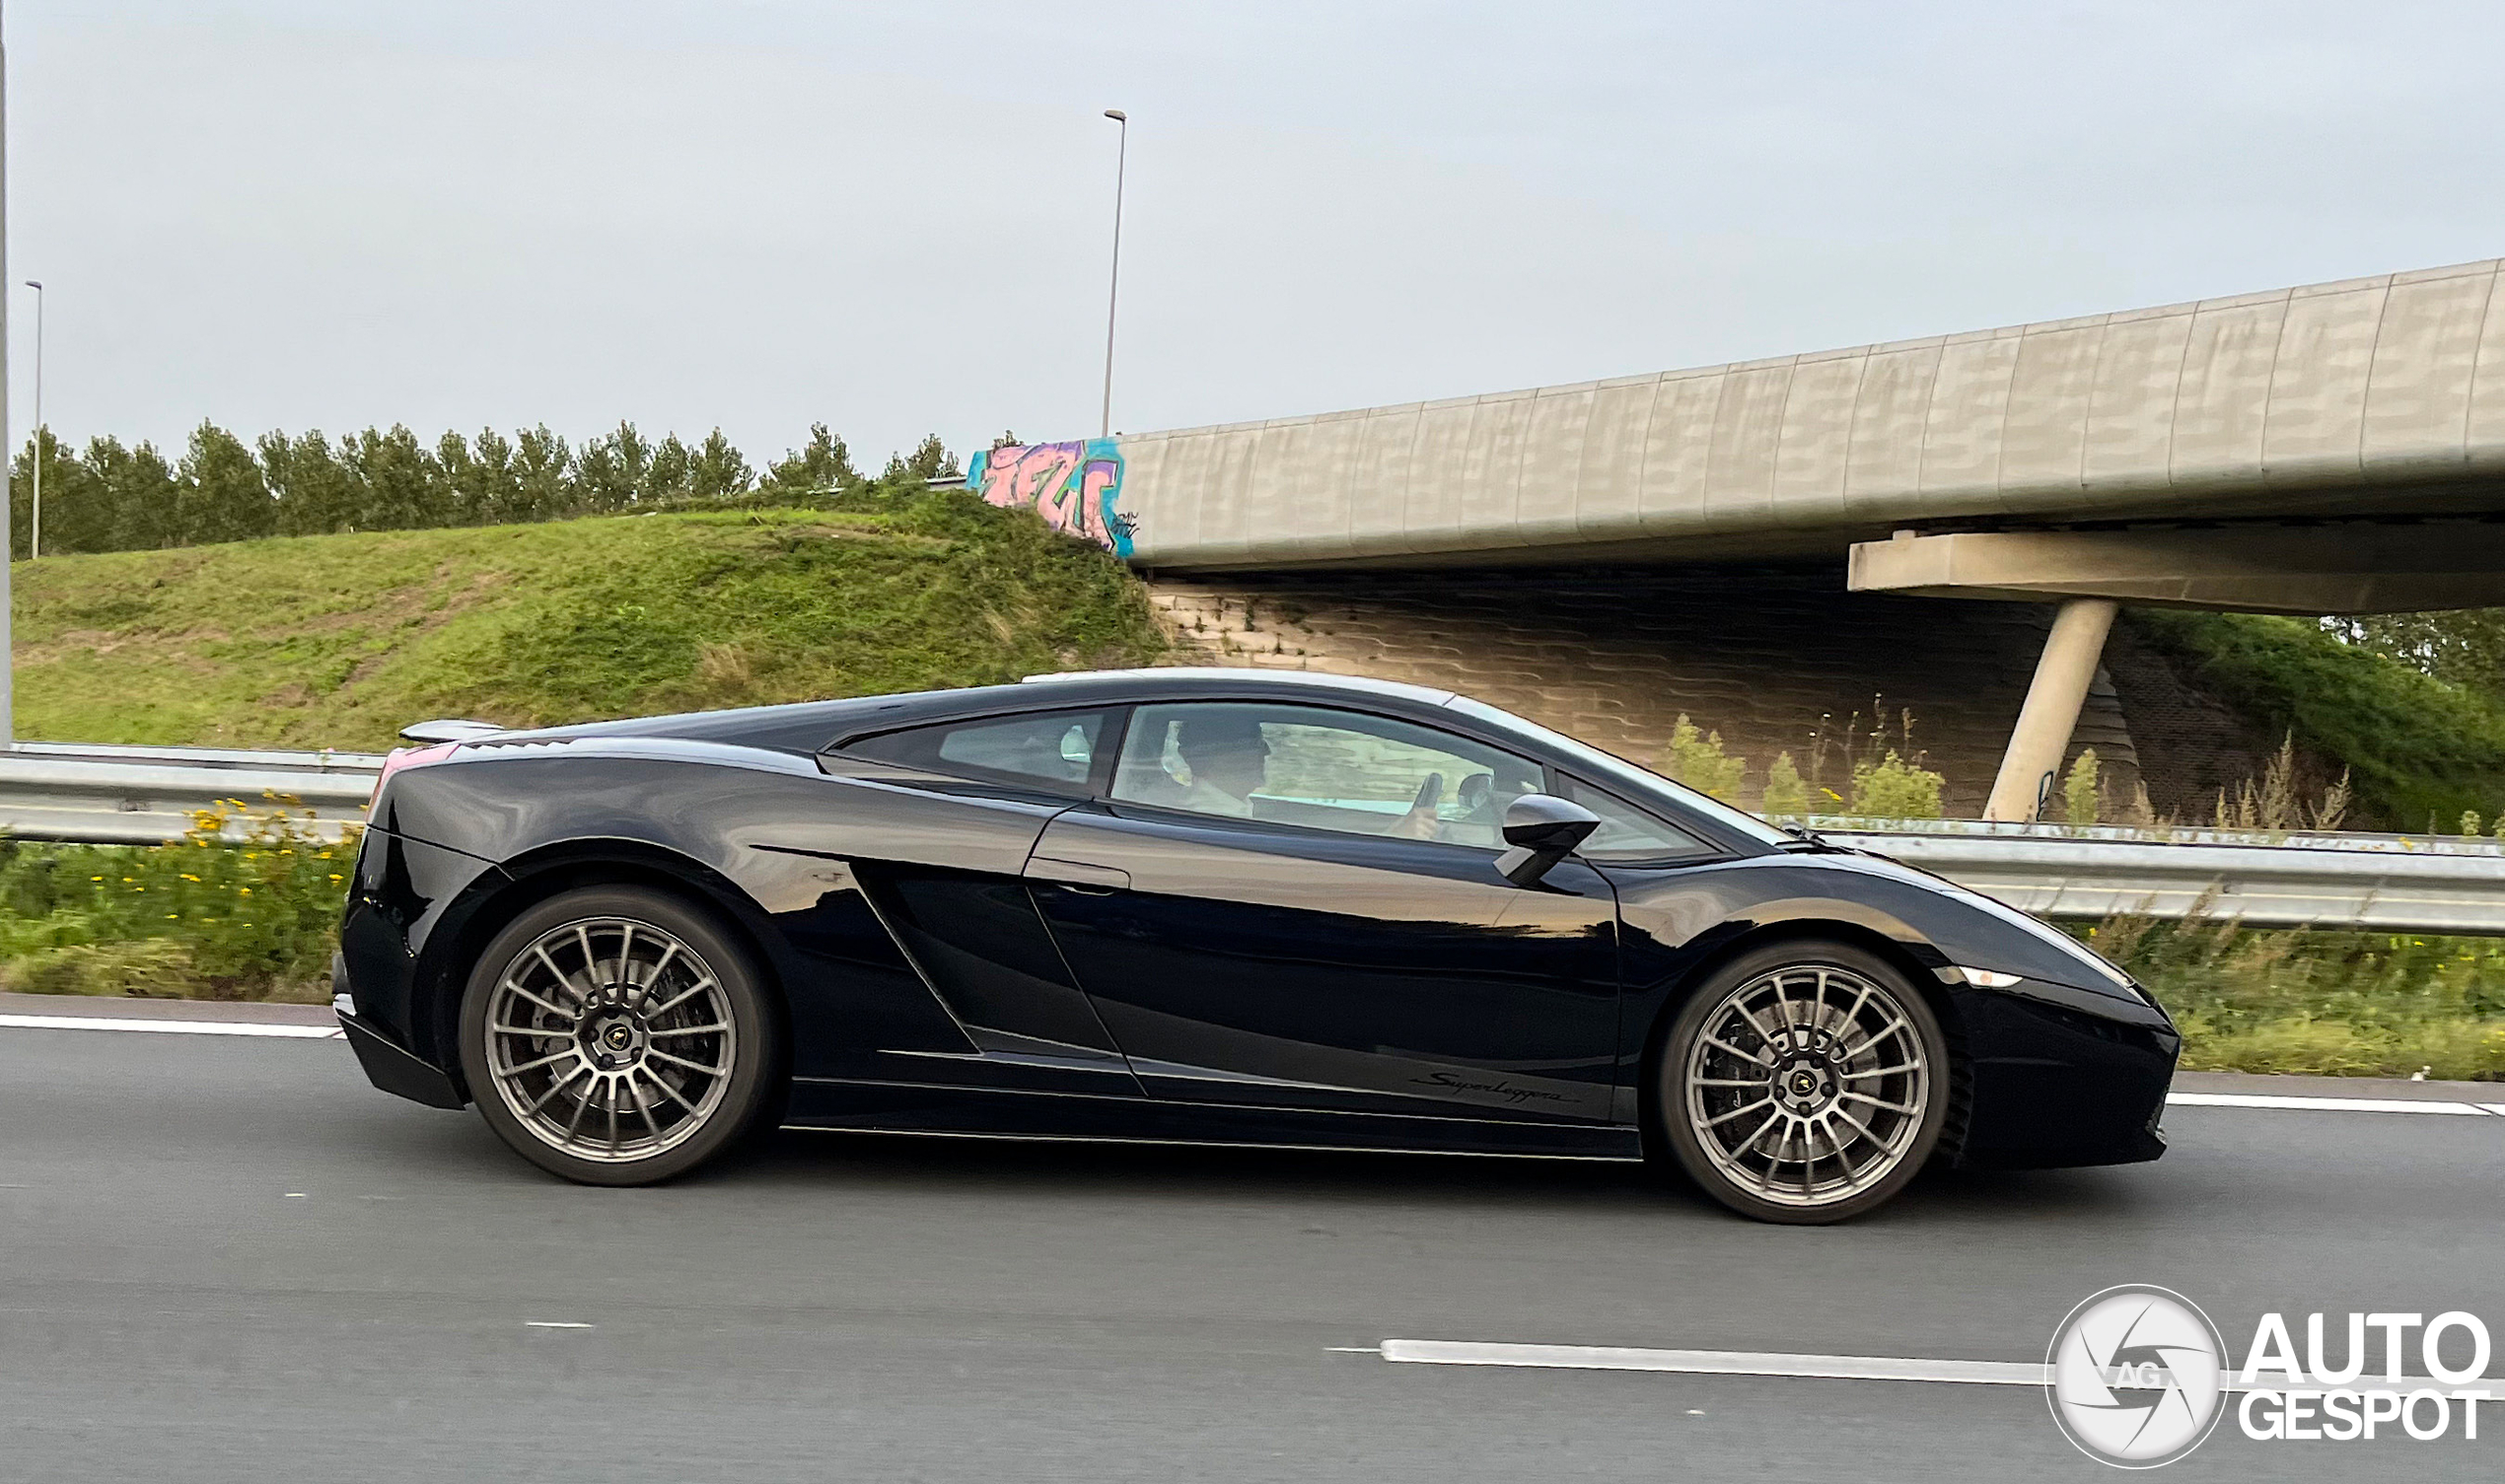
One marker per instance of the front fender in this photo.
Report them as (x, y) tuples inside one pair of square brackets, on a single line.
[(2060, 1070)]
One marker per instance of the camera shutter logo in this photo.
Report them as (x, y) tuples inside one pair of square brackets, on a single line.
[(2137, 1376)]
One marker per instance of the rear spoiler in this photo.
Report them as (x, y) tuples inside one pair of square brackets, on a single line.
[(450, 731)]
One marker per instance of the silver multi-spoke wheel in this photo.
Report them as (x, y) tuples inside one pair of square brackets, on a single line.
[(1807, 1084), (609, 1040)]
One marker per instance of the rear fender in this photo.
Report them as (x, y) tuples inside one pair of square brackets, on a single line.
[(445, 957)]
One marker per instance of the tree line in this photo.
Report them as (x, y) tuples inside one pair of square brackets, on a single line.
[(109, 497)]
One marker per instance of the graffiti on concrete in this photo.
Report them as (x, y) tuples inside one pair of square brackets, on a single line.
[(1072, 485)]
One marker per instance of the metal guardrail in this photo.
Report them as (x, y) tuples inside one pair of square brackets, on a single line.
[(145, 795), (2171, 834), (2373, 884)]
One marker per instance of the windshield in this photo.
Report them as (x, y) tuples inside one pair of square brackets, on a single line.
[(1644, 784)]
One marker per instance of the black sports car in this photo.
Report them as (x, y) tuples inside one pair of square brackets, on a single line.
[(1202, 904)]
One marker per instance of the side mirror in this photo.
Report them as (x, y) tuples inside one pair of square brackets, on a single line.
[(1541, 829)]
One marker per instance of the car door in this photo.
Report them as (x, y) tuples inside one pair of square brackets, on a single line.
[(972, 933), (1298, 906)]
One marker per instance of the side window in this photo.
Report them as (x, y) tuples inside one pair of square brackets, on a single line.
[(1055, 749), (1327, 769), (1627, 833)]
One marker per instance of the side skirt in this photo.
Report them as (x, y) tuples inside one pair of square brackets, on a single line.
[(905, 1108)]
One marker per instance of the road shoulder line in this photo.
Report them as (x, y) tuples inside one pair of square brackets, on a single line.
[(2326, 1104), (1801, 1367), (177, 1027)]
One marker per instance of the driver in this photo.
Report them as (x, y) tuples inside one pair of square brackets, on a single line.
[(1229, 762), (1483, 799)]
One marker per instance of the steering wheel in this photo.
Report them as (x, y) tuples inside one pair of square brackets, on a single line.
[(1420, 823)]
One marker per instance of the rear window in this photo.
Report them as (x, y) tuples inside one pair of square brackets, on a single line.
[(1055, 749)]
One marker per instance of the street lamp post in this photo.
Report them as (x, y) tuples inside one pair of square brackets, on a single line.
[(35, 525), (8, 714), (1113, 292)]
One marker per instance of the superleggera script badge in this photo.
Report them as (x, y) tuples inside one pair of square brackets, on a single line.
[(1509, 1092)]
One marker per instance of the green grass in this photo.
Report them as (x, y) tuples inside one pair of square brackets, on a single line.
[(341, 640), (2414, 746), (202, 919), (2329, 1004)]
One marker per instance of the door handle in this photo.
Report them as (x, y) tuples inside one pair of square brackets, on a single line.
[(1079, 875)]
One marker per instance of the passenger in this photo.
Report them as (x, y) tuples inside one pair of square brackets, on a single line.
[(1229, 762)]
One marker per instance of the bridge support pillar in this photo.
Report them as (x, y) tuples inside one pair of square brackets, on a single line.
[(2062, 675)]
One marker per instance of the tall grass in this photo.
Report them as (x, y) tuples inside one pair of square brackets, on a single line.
[(2303, 1000)]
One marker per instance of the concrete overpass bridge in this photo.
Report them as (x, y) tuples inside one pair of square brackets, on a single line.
[(2338, 447)]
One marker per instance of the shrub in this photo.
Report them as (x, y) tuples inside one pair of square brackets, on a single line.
[(1893, 789), (2079, 800), (1697, 759), (1786, 793)]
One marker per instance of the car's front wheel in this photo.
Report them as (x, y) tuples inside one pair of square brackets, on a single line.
[(1803, 1082), (615, 1036)]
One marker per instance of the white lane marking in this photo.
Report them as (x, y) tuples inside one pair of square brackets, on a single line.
[(2329, 1104), (554, 1325), (1768, 1363), (177, 1027), (1715, 1362)]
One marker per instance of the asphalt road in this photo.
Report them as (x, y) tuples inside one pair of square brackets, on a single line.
[(228, 1259)]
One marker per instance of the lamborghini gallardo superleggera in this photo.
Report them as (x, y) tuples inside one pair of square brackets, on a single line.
[(1219, 905)]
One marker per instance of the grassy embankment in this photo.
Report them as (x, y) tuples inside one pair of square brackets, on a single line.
[(341, 640), (2419, 753)]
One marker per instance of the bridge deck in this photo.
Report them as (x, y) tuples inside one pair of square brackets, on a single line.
[(2373, 396)]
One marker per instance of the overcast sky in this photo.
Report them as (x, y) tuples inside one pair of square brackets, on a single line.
[(895, 217)]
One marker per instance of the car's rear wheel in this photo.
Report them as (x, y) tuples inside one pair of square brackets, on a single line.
[(618, 1035), (1803, 1082)]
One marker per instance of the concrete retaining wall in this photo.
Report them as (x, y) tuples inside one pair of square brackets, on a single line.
[(1773, 659)]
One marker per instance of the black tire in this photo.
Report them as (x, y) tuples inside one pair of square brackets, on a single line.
[(1815, 1062), (645, 1027)]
